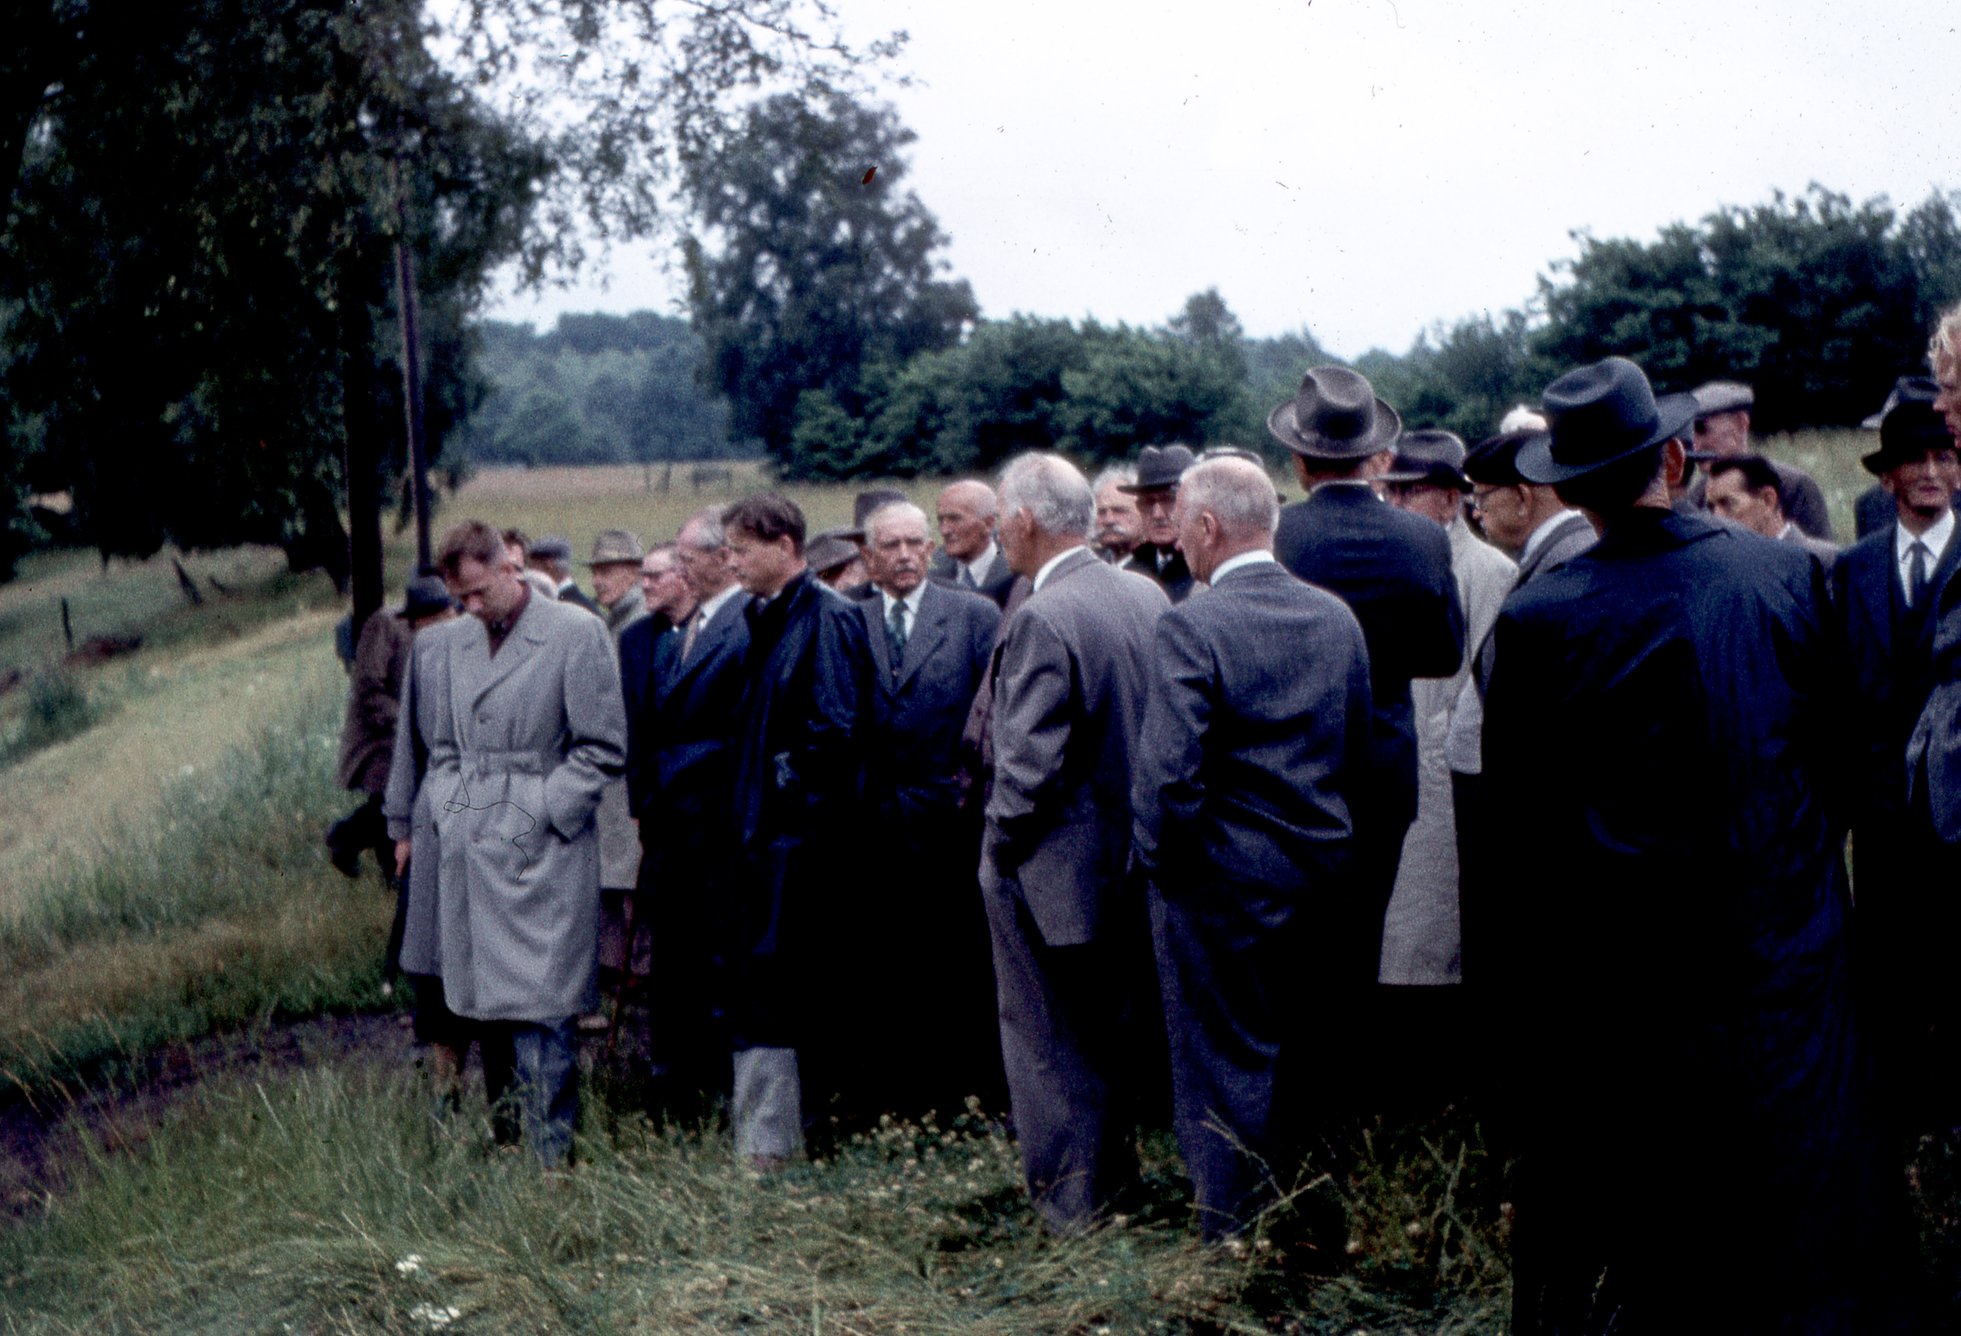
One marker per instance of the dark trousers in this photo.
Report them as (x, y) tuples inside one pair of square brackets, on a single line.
[(1233, 973), (1069, 1026), (531, 1077)]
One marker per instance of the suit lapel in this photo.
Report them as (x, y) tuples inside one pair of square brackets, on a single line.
[(926, 635)]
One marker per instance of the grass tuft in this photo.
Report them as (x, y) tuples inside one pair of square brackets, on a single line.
[(58, 707)]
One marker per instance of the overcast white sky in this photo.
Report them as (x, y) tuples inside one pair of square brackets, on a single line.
[(1369, 167)]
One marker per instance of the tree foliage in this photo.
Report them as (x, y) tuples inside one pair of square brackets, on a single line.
[(1818, 302), (595, 389), (811, 262)]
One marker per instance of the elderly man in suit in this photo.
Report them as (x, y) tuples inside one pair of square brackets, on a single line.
[(515, 716), (1887, 589), (930, 648), (1675, 990), (1156, 490), (1119, 526), (1068, 926), (969, 554), (1256, 733), (1745, 490), (798, 779), (1393, 572), (681, 719)]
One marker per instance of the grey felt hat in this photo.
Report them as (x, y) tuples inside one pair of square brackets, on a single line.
[(1430, 455), (615, 547), (1335, 415), (830, 549)]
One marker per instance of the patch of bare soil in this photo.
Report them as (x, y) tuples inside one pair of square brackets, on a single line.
[(41, 1136)]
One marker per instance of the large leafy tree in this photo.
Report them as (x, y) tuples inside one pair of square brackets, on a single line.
[(199, 202), (809, 262)]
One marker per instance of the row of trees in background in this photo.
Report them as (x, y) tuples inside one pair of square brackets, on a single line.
[(595, 389), (846, 350)]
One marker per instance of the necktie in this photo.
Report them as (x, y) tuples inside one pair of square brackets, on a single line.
[(693, 632), (896, 624), (1916, 573), (967, 580)]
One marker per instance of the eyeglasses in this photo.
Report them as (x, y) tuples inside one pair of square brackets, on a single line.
[(1480, 494)]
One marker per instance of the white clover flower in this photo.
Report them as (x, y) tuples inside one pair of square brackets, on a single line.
[(409, 1265), (432, 1315)]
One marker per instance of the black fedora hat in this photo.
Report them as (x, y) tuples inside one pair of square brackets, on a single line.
[(1432, 455), (1159, 466), (1909, 430), (1600, 414), (1335, 415)]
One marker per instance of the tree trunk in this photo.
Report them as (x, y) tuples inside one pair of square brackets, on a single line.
[(364, 451)]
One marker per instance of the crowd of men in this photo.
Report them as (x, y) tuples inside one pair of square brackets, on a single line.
[(1526, 767)]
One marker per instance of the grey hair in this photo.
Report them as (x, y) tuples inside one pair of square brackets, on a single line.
[(1053, 491), (1123, 475), (1237, 492), (1522, 418), (1945, 346), (707, 524), (891, 510)]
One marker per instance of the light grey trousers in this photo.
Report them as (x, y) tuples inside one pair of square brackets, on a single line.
[(766, 1105)]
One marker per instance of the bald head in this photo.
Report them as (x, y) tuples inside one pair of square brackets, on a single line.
[(967, 511), (1225, 507)]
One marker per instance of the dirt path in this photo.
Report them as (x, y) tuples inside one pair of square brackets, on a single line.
[(38, 1137)]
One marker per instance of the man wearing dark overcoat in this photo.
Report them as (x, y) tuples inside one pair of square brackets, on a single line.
[(1068, 923), (1675, 988), (1256, 733), (1886, 589), (367, 735), (931, 1036), (681, 723), (515, 712), (798, 782), (1393, 572)]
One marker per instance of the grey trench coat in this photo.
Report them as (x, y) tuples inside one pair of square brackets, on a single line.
[(512, 751)]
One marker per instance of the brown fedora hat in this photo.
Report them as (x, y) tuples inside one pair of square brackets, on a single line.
[(1335, 415)]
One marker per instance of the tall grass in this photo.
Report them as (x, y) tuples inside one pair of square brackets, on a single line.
[(216, 908), (58, 707), (331, 1200)]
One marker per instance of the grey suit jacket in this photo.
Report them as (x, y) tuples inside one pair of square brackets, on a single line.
[(1256, 731), (1070, 681)]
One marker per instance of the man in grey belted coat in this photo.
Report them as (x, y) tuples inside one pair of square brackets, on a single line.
[(513, 718)]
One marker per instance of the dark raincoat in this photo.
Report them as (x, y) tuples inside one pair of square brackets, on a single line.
[(1690, 1103)]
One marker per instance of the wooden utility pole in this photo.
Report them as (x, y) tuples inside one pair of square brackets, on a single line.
[(412, 396)]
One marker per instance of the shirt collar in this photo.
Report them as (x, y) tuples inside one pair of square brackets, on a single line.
[(912, 602), (1231, 564), (715, 603), (978, 566), (1935, 538), (1540, 534), (1048, 567)]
